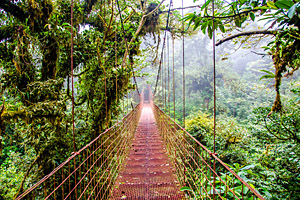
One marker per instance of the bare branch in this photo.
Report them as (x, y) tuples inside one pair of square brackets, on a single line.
[(272, 133), (260, 54), (137, 32), (26, 174), (290, 73), (263, 32), (232, 16), (157, 7)]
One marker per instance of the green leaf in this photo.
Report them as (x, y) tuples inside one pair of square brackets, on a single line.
[(268, 72), (237, 22), (209, 31), (203, 27), (292, 10), (252, 16), (262, 8), (185, 188), (271, 4), (284, 4), (66, 24), (266, 77), (222, 28), (206, 4), (197, 23), (189, 16), (251, 185)]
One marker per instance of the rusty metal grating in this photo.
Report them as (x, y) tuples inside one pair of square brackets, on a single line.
[(147, 173)]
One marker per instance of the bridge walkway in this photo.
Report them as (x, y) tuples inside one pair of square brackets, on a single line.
[(147, 173)]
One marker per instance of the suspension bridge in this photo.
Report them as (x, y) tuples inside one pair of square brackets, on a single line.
[(146, 155)]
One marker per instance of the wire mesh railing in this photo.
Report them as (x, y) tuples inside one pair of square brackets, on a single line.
[(91, 172), (200, 172)]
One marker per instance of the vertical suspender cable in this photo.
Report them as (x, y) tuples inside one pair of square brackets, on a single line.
[(183, 80), (173, 57), (106, 113), (214, 74), (168, 52), (183, 70), (105, 79), (160, 63), (127, 77), (73, 107), (116, 66), (161, 79), (127, 47), (165, 55), (72, 63), (162, 87)]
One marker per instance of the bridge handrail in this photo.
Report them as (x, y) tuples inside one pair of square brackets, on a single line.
[(212, 154), (74, 154)]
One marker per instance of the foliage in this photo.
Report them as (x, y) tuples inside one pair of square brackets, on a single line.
[(35, 43), (231, 181), (283, 16), (200, 126), (12, 171), (263, 150), (249, 133)]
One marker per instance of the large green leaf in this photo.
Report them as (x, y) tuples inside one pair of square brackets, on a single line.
[(284, 4)]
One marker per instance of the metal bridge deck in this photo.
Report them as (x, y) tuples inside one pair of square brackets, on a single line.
[(148, 173)]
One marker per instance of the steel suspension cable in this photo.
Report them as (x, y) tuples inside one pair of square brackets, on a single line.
[(173, 57), (183, 69), (168, 52), (165, 62), (72, 68), (214, 73), (72, 75), (183, 79), (214, 78), (105, 76), (116, 65), (161, 56), (105, 87), (127, 47), (162, 82)]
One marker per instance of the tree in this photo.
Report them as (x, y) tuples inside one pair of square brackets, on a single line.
[(35, 70), (283, 16)]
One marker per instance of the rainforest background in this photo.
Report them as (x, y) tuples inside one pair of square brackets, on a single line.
[(257, 88)]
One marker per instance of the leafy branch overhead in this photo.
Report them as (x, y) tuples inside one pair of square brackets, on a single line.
[(282, 18)]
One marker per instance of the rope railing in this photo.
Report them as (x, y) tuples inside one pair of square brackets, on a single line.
[(91, 172), (194, 165)]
